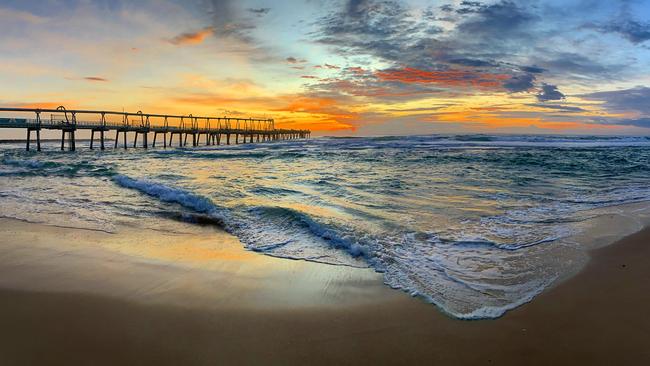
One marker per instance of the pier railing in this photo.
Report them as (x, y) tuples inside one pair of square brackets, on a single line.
[(211, 128)]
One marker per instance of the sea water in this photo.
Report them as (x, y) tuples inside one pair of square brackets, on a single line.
[(475, 224)]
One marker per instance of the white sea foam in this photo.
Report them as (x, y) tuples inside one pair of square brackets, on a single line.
[(168, 194)]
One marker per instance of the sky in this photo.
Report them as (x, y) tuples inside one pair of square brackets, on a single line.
[(349, 67)]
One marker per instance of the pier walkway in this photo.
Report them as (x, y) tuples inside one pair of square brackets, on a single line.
[(209, 130)]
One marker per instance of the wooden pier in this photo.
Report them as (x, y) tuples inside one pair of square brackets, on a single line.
[(200, 130)]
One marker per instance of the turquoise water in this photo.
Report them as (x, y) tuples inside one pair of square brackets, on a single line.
[(475, 224)]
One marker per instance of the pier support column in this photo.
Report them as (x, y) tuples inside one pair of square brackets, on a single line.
[(155, 134), (71, 141), (29, 137), (165, 140), (125, 140), (117, 138), (227, 139), (101, 138), (38, 139), (92, 138)]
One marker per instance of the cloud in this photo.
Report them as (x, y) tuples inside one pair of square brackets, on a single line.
[(192, 37), (95, 78), (461, 78), (388, 30), (327, 66), (632, 30), (557, 107), (259, 12), (229, 19), (471, 62), (468, 7), (384, 29), (497, 21), (520, 83), (632, 102), (529, 41), (532, 69), (626, 100), (576, 65), (293, 60), (211, 100), (637, 122), (549, 92)]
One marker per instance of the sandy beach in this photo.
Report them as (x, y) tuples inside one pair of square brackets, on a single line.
[(144, 297)]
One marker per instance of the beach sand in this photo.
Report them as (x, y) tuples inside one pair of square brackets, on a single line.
[(70, 296)]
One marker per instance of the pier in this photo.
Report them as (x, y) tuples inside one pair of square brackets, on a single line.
[(199, 130)]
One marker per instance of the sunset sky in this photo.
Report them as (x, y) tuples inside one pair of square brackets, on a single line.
[(357, 67)]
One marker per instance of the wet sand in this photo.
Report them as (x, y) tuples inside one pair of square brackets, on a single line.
[(80, 297)]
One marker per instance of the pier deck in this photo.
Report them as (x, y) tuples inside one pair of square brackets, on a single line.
[(211, 130)]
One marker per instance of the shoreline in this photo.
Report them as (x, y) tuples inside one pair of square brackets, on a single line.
[(116, 306)]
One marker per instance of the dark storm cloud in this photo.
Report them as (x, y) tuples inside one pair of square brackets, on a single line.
[(549, 92)]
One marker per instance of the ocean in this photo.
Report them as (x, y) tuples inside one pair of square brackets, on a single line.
[(475, 224)]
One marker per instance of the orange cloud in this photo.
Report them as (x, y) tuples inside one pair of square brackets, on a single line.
[(41, 105), (493, 118), (316, 113), (356, 70), (445, 77), (192, 37), (327, 66), (210, 100)]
